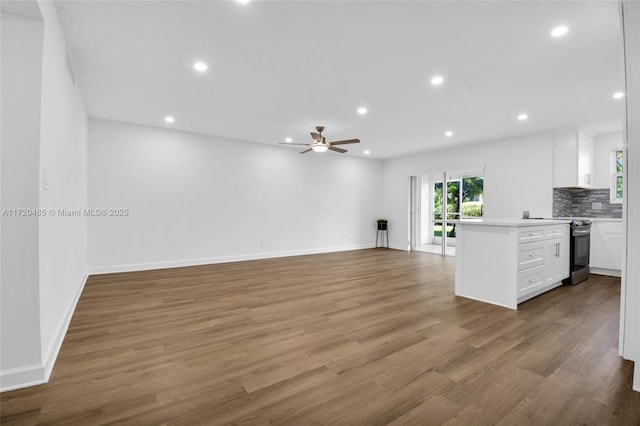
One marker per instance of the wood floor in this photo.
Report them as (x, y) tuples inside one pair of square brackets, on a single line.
[(365, 337)]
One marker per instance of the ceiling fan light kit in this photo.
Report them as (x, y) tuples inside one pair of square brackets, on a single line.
[(320, 143)]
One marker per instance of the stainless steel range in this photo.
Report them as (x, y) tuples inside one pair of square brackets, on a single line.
[(580, 244)]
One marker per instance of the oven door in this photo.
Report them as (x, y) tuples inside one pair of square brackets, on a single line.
[(581, 241)]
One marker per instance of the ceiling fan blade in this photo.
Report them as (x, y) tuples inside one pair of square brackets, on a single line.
[(344, 142), (316, 136), (306, 150), (289, 143), (340, 150)]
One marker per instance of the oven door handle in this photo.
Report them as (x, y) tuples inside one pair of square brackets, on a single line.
[(581, 231)]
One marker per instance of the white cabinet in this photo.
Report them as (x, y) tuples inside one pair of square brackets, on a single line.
[(543, 261), (557, 255), (505, 264), (607, 247), (573, 159)]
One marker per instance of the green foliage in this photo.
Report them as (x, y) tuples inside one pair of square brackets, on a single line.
[(437, 231), (453, 199), (471, 194), (472, 209), (619, 161), (472, 189)]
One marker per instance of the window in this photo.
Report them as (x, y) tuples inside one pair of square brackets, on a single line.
[(617, 175), (464, 201), (472, 191)]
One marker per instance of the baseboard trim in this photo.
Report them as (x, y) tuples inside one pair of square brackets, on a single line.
[(51, 354), (38, 374), (22, 377), (477, 299), (134, 267), (605, 271)]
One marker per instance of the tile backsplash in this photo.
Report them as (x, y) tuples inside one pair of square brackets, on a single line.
[(580, 202)]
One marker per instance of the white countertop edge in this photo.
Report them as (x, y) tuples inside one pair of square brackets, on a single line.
[(593, 219), (511, 222)]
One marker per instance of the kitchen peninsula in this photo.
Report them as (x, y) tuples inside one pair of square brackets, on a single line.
[(505, 262)]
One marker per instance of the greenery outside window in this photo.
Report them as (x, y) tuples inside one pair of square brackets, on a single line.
[(464, 201), (617, 176)]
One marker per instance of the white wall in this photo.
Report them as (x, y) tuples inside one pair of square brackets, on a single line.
[(44, 259), (604, 144), (20, 302), (630, 296), (517, 177), (199, 199), (63, 154)]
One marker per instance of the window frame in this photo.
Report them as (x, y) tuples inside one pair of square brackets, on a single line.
[(615, 175)]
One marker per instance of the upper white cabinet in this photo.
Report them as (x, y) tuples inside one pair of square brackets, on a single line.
[(573, 159)]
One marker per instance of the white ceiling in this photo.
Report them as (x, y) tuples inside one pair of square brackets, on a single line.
[(279, 68)]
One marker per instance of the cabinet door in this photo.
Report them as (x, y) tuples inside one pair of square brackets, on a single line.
[(573, 153), (597, 251), (606, 245), (585, 160), (613, 245), (565, 159), (556, 260)]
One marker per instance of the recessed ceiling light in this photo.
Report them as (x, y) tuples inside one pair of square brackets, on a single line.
[(243, 1), (200, 66), (618, 95), (288, 140), (367, 152), (523, 117), (448, 133), (559, 31), (169, 119), (437, 80), (362, 110)]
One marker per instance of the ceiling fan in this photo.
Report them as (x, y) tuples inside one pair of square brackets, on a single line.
[(320, 143)]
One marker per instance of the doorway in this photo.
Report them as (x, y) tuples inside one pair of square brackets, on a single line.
[(437, 201)]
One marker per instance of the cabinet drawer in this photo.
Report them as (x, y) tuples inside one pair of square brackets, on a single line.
[(530, 255), (529, 235), (530, 279), (556, 231), (612, 228)]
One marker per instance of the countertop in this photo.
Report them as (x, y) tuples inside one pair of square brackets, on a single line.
[(593, 219), (511, 222)]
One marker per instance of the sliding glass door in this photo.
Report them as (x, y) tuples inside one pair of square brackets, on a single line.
[(438, 200), (446, 209)]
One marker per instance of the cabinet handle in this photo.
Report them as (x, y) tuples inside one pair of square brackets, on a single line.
[(533, 255), (533, 280)]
